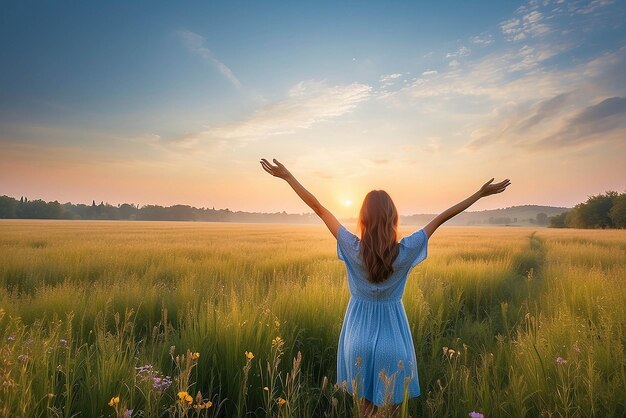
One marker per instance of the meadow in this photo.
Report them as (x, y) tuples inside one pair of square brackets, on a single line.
[(214, 319)]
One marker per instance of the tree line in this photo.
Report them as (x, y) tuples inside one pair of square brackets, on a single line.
[(11, 208), (606, 210)]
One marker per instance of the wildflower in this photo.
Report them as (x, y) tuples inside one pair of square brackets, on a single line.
[(144, 372), (277, 342), (184, 397), (172, 350), (195, 356), (475, 414), (114, 401), (22, 358), (161, 383), (128, 412), (576, 348), (266, 389), (280, 401), (11, 338), (249, 355), (560, 360), (63, 341)]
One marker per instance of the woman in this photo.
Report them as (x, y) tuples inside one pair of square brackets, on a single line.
[(376, 356)]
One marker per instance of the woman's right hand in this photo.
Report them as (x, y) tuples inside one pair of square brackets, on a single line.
[(278, 170), (490, 188)]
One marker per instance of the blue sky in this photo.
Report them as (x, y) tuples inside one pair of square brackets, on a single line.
[(150, 102)]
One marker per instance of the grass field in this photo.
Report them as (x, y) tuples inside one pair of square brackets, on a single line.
[(182, 319)]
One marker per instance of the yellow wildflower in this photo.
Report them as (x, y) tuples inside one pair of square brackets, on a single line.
[(277, 342), (281, 401), (249, 355), (195, 356), (183, 397), (266, 389), (114, 401)]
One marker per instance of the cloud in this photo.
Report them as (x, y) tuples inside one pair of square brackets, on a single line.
[(429, 72), (592, 7), (307, 103), (482, 40), (387, 80), (461, 52), (559, 122), (530, 24), (609, 107), (544, 110), (600, 122), (195, 44)]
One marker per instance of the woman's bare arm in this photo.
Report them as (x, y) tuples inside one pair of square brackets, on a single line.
[(488, 189), (281, 171)]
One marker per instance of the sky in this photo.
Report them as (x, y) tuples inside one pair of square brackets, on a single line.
[(170, 103)]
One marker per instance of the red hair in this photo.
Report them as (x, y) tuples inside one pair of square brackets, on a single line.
[(378, 222)]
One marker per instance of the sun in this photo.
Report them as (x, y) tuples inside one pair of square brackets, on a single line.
[(347, 202)]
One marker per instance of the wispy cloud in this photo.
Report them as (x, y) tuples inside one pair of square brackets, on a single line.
[(482, 40), (461, 52), (307, 103), (195, 44), (387, 80)]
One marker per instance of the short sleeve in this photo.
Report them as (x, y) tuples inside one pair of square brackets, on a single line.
[(347, 245), (416, 247)]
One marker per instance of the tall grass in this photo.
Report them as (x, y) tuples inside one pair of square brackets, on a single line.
[(193, 319)]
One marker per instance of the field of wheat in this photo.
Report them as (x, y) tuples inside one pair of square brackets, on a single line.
[(211, 319)]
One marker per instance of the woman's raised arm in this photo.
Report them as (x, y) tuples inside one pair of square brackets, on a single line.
[(488, 189), (281, 171)]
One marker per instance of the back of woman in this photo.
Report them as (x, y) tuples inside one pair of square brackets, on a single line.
[(376, 355)]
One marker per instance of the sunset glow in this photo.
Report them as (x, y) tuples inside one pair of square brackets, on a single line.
[(123, 102)]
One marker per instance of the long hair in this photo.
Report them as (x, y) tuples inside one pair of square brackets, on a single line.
[(378, 222)]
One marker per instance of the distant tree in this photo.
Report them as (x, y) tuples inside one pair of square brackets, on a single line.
[(127, 211), (618, 211), (558, 221), (542, 219), (8, 207), (594, 213)]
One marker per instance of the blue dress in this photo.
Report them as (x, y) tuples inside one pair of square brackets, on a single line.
[(376, 353)]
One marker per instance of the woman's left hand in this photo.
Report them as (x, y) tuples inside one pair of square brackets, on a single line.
[(490, 187), (277, 170)]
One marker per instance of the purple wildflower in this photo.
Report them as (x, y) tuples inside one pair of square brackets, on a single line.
[(22, 358), (145, 371), (576, 348), (161, 383), (475, 414), (560, 360), (128, 412), (11, 338), (63, 341)]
